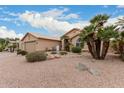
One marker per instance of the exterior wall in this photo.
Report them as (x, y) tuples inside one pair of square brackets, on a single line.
[(44, 44), (74, 43), (23, 45), (30, 46), (74, 40)]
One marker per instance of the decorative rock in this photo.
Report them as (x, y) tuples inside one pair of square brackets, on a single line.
[(94, 72), (57, 56), (82, 67), (50, 57)]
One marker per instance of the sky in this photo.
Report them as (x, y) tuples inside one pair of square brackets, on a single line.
[(52, 20)]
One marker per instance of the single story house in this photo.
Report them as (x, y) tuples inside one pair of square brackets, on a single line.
[(35, 42)]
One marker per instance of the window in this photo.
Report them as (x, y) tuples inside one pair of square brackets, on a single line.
[(78, 42)]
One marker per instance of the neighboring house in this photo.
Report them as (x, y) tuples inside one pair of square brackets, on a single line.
[(13, 44), (35, 42), (71, 39)]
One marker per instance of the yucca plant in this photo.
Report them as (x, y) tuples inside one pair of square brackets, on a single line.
[(98, 37)]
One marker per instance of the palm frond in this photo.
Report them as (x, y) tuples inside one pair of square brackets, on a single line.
[(99, 19), (108, 32)]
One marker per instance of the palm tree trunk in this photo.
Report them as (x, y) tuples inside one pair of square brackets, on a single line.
[(121, 47), (90, 49), (94, 49), (93, 45), (101, 49), (98, 47), (104, 49)]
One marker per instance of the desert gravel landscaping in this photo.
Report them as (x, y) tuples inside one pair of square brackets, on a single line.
[(61, 72)]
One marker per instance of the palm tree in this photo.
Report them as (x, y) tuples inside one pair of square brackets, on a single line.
[(87, 35), (120, 24), (121, 43), (105, 35), (97, 36)]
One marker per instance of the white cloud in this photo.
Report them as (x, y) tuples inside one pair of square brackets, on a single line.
[(52, 23), (13, 14), (7, 33), (9, 13), (112, 21), (55, 13), (15, 21), (120, 6), (71, 16)]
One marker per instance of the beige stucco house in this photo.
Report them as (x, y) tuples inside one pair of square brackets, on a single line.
[(35, 42), (70, 39)]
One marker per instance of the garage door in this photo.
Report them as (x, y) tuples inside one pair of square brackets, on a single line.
[(30, 46)]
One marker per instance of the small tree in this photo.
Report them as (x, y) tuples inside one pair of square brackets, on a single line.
[(3, 44)]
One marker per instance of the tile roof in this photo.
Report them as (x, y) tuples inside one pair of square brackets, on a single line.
[(37, 35)]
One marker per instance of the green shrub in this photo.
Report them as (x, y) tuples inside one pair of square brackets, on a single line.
[(21, 52), (53, 52), (76, 49), (36, 56), (1, 49), (63, 52)]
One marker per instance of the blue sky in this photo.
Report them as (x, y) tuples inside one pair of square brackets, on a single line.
[(51, 20)]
